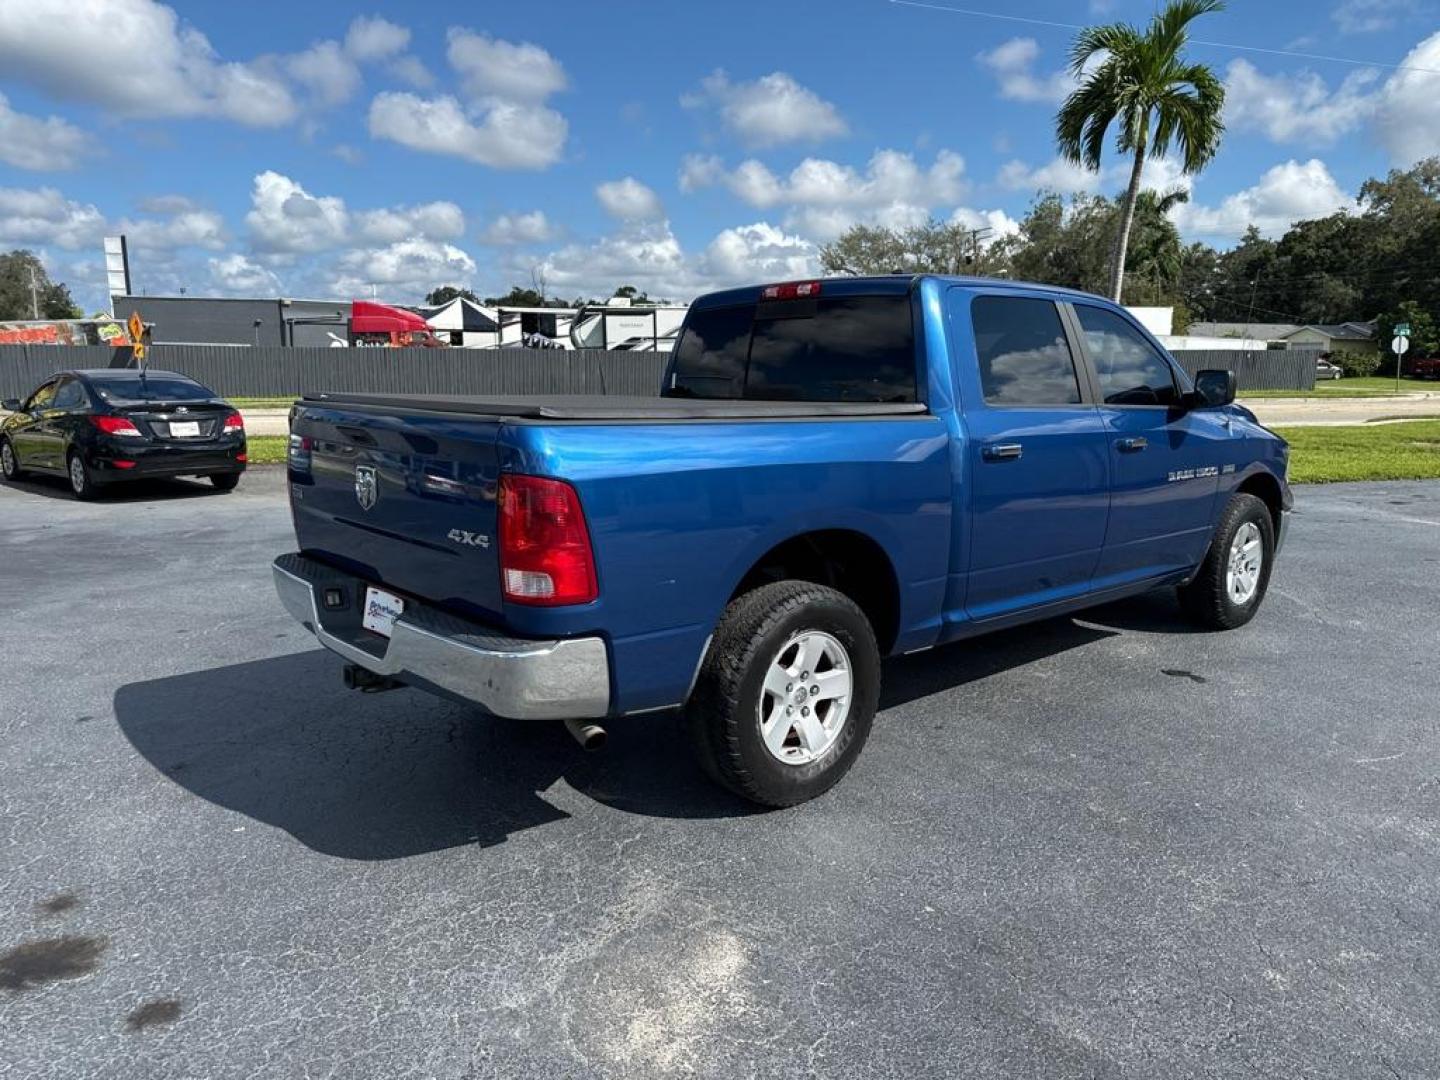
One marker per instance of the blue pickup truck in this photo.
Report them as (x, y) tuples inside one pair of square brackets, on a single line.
[(834, 471)]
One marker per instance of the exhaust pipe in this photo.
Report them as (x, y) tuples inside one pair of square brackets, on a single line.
[(589, 735), (366, 681)]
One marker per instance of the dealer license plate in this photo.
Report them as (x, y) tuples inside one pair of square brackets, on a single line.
[(381, 611), (184, 429)]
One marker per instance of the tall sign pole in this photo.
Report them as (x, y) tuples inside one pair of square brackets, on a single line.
[(1400, 345)]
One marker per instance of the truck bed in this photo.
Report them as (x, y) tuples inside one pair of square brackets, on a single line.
[(577, 407)]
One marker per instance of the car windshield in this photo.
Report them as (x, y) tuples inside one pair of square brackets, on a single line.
[(150, 388)]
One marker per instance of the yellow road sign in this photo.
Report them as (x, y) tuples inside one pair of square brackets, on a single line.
[(136, 328), (138, 351)]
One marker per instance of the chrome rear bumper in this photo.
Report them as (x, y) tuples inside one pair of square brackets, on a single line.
[(562, 679)]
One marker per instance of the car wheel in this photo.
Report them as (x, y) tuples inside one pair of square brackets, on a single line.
[(82, 481), (9, 463), (225, 481), (1233, 579), (786, 694)]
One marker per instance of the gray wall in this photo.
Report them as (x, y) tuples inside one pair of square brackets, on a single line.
[(205, 320), (275, 372), (1273, 369), (278, 372)]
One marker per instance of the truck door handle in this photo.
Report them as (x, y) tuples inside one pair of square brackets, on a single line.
[(1132, 446), (1001, 451)]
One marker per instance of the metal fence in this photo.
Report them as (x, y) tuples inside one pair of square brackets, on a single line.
[(1272, 369), (280, 372)]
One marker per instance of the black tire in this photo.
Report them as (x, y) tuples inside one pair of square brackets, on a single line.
[(227, 481), (81, 479), (723, 713), (1207, 600), (9, 463)]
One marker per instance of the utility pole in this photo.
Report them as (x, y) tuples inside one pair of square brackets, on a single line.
[(34, 295), (976, 235)]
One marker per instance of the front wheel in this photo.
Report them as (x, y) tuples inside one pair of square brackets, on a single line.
[(9, 463), (787, 693), (1231, 583)]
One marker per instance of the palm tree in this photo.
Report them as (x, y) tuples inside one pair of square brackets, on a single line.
[(1143, 83)]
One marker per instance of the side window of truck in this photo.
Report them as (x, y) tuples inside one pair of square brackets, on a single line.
[(1024, 356), (1131, 371)]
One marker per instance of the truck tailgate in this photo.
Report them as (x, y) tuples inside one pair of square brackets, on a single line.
[(405, 501)]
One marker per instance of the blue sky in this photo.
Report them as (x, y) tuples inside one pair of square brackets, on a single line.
[(327, 149)]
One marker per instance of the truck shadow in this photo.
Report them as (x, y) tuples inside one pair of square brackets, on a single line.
[(392, 775)]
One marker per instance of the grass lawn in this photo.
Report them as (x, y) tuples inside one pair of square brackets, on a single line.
[(1370, 386), (267, 449), (1325, 455)]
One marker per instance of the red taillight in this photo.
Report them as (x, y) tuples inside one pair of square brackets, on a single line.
[(234, 422), (239, 457), (545, 555), (794, 290), (115, 425), (123, 464)]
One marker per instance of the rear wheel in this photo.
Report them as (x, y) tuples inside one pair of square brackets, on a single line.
[(1231, 583), (225, 481), (787, 693), (82, 482), (9, 463)]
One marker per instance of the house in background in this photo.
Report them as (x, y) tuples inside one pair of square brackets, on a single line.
[(1327, 337), (1335, 337)]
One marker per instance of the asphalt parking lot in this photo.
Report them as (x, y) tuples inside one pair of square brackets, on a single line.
[(1096, 847)]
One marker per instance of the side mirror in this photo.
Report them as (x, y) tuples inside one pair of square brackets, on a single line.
[(1214, 388), (11, 404)]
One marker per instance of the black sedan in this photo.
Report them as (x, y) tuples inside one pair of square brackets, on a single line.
[(99, 427)]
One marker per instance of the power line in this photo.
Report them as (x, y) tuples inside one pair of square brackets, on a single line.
[(974, 13)]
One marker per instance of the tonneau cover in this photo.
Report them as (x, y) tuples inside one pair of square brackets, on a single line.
[(581, 407)]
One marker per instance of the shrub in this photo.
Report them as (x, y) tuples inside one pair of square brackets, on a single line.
[(1356, 365)]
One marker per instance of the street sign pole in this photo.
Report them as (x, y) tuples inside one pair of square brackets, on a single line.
[(1400, 345)]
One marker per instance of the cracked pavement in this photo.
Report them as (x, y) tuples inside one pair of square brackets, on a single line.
[(1102, 846)]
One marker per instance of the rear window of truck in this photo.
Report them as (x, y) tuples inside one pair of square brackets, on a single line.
[(841, 348)]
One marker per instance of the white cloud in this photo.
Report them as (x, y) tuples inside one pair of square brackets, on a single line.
[(410, 70), (182, 225), (1296, 108), (491, 68), (284, 217), (509, 230), (629, 200), (40, 217), (1013, 64), (502, 134), (1062, 176), (372, 38), (436, 220), (652, 258), (1289, 192), (773, 109), (412, 266), (998, 222), (237, 275), (1408, 113), (69, 48), (700, 170), (48, 145), (327, 71), (891, 177), (1369, 16)]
